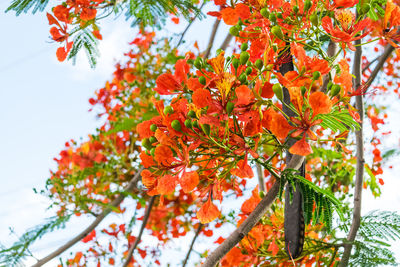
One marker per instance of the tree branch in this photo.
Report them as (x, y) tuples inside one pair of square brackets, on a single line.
[(226, 42), (332, 47), (260, 175), (192, 244), (382, 59), (212, 38), (188, 26), (145, 219), (360, 159), (252, 220), (90, 228)]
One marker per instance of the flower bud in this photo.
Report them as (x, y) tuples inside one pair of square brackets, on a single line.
[(206, 128), (191, 114), (316, 75), (202, 80), (244, 47), (146, 143), (264, 12), (176, 125), (168, 110), (335, 90), (235, 63), (277, 88), (259, 64), (229, 107), (188, 123), (277, 32), (244, 57), (153, 127)]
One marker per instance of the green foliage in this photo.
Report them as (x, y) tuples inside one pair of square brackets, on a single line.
[(20, 249), (371, 247), (85, 39), (24, 6), (338, 121), (312, 194)]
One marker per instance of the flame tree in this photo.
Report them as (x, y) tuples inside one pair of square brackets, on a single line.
[(290, 101)]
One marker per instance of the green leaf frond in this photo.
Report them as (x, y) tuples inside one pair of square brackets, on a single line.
[(23, 6), (13, 255)]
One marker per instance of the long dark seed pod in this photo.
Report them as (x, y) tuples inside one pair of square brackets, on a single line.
[(293, 215)]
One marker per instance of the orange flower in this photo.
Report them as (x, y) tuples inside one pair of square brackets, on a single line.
[(62, 13), (244, 95), (390, 22), (166, 184), (348, 29), (208, 212), (163, 155), (189, 181), (201, 98), (320, 103), (301, 148), (88, 14)]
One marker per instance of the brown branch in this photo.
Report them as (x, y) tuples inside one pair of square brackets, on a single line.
[(115, 203), (145, 219), (250, 221), (360, 159), (382, 59), (212, 38), (226, 42), (260, 175), (188, 26), (332, 47), (192, 244), (369, 64)]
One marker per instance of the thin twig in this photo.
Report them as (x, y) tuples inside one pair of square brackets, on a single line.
[(145, 219), (226, 42), (90, 228), (192, 244), (370, 63), (252, 220), (212, 38), (188, 26), (332, 47), (360, 159)]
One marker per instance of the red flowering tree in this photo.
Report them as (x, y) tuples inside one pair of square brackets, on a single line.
[(185, 135)]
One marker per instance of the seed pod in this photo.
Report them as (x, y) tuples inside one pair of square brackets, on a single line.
[(202, 80), (244, 57), (206, 128), (235, 63), (168, 110), (307, 5), (314, 19), (277, 88), (259, 64), (191, 114), (277, 32), (248, 70), (244, 47), (198, 63), (146, 143), (264, 12), (176, 125), (316, 75), (229, 107), (335, 90), (188, 123), (234, 31), (153, 127), (152, 139), (243, 78)]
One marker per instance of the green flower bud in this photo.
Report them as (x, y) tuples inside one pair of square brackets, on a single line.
[(329, 86), (202, 80), (244, 57), (307, 5), (296, 9), (229, 107), (279, 15), (248, 70), (191, 114), (196, 123), (206, 128), (198, 63), (314, 19), (153, 127), (188, 123), (234, 31), (219, 51), (152, 139), (277, 32), (261, 194), (272, 17), (146, 143), (168, 110), (303, 90), (243, 78), (259, 64), (152, 151), (264, 12), (277, 88), (176, 125), (316, 75), (244, 47), (335, 90), (235, 63)]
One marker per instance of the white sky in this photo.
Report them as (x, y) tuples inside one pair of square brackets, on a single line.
[(45, 103)]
